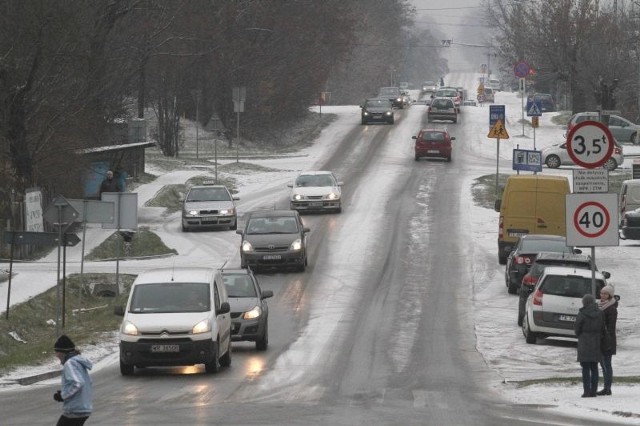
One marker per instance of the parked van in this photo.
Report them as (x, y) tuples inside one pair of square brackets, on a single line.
[(176, 316), (530, 204), (629, 198)]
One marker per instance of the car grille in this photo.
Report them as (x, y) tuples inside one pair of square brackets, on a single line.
[(209, 211), (272, 249), (314, 197)]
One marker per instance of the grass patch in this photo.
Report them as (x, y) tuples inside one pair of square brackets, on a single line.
[(87, 318), (562, 118), (143, 243)]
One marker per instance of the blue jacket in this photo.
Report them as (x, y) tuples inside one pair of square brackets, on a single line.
[(76, 391)]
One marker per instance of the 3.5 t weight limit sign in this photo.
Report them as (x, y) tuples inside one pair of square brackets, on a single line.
[(590, 144), (592, 220)]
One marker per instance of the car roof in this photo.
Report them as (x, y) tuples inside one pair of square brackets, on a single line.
[(568, 270), (555, 255), (205, 186), (315, 173), (542, 237), (272, 213), (176, 274)]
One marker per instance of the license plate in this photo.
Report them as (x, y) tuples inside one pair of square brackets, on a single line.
[(271, 257), (433, 151), (570, 318), (517, 232), (316, 204), (165, 348), (377, 115)]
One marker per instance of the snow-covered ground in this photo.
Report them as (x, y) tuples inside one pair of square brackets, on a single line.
[(499, 339)]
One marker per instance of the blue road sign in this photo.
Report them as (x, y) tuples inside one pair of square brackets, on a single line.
[(521, 69), (496, 112), (527, 160), (534, 109)]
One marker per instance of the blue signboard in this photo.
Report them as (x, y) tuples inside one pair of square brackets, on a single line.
[(527, 160), (496, 112), (534, 109)]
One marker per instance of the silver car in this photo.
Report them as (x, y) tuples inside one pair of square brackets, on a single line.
[(556, 155), (249, 309), (621, 128), (209, 206), (316, 191)]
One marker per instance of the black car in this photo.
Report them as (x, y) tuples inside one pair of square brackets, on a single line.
[(525, 251), (249, 309), (630, 225), (273, 239), (377, 110), (544, 259), (394, 94)]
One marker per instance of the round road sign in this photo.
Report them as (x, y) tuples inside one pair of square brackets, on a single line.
[(591, 219), (590, 144), (521, 69)]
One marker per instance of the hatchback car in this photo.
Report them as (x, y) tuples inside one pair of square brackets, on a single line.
[(557, 155), (542, 261), (377, 110), (449, 92), (433, 143), (429, 86), (621, 128), (316, 191), (489, 95), (394, 94), (442, 109), (209, 206), (273, 239), (553, 307), (249, 309), (525, 251)]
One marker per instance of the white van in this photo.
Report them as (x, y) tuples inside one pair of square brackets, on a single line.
[(629, 198), (176, 316)]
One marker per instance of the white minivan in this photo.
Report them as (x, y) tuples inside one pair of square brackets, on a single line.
[(629, 197), (173, 317)]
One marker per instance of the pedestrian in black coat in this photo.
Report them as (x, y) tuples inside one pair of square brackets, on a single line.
[(609, 306), (109, 184), (589, 329)]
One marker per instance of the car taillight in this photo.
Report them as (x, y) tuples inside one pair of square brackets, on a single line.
[(537, 297), (429, 110), (529, 280), (617, 150), (501, 228)]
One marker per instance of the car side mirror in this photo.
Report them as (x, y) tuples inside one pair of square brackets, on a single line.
[(453, 138), (235, 198), (340, 183), (414, 137), (118, 310), (577, 251), (305, 229), (267, 294), (225, 308), (606, 275), (497, 205), (290, 185)]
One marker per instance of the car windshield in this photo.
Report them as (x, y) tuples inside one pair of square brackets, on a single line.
[(538, 267), (381, 103), (390, 91), (314, 180), (170, 297), (239, 286), (533, 245), (447, 93), (272, 225), (569, 286), (428, 83), (208, 194)]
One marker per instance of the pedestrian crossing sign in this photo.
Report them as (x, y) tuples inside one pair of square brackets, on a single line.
[(498, 131)]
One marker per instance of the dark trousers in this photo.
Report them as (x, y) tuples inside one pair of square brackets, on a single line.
[(589, 377), (607, 371), (71, 421)]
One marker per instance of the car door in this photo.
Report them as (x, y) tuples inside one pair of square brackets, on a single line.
[(620, 128), (223, 321), (564, 154)]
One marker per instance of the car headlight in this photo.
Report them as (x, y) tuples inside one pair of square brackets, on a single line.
[(129, 329), (388, 112), (398, 99), (332, 196), (253, 313), (191, 212), (296, 245), (228, 212), (297, 197), (365, 113), (247, 247), (201, 327)]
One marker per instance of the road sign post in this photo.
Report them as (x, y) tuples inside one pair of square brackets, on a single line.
[(498, 131), (534, 111)]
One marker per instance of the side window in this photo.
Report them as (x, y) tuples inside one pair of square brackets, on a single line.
[(216, 296)]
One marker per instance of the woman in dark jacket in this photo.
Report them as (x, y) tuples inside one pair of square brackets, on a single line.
[(609, 306), (589, 329)]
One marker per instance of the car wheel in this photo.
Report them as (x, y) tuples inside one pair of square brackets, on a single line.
[(235, 225), (502, 259), (185, 228), (263, 341), (364, 121), (214, 365), (552, 161), (511, 288), (529, 336), (448, 159), (455, 121), (225, 360), (126, 369), (392, 121), (611, 164)]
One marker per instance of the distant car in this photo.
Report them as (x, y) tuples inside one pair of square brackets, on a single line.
[(249, 309), (377, 110), (495, 84), (449, 92), (442, 109), (525, 251), (541, 262), (429, 86), (621, 128), (316, 191), (489, 95), (394, 94), (553, 307), (469, 102), (209, 206), (630, 225), (273, 239), (406, 98), (556, 155), (433, 143), (544, 100)]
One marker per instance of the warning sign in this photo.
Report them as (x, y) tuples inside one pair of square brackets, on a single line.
[(498, 131)]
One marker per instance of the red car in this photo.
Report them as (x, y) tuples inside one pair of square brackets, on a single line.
[(435, 143)]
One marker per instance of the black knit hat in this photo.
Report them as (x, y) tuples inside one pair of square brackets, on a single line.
[(64, 345)]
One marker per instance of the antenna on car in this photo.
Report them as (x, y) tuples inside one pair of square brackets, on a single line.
[(222, 267), (173, 270)]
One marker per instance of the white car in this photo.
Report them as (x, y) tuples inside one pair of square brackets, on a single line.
[(556, 155), (316, 191), (552, 308)]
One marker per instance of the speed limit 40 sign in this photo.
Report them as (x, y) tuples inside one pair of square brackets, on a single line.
[(590, 144), (592, 220)]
